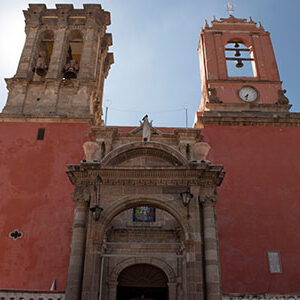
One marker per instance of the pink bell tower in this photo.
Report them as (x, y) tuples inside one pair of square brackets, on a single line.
[(238, 68)]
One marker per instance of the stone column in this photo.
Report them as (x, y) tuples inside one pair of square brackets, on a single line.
[(91, 280), (112, 287), (27, 58), (88, 62), (193, 250), (59, 52), (211, 253), (172, 290), (92, 269), (75, 271), (58, 56), (33, 22)]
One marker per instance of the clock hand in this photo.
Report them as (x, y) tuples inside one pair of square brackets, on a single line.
[(246, 96)]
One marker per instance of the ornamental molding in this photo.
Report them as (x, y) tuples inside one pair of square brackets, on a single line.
[(33, 295), (16, 234), (157, 149), (262, 297), (164, 177), (208, 199), (244, 119)]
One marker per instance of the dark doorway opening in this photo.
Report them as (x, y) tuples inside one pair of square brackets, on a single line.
[(130, 293), (142, 281)]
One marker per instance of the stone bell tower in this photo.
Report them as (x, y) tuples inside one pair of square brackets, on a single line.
[(63, 64), (238, 69)]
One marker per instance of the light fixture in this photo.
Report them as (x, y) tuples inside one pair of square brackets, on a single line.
[(96, 211), (186, 198)]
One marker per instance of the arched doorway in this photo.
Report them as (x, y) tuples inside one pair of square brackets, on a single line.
[(142, 281)]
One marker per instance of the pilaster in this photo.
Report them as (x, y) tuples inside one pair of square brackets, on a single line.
[(79, 229), (208, 201), (58, 54), (27, 57)]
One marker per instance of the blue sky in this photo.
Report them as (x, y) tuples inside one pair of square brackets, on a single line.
[(156, 68)]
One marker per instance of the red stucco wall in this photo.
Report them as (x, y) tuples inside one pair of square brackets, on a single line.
[(258, 207), (36, 199)]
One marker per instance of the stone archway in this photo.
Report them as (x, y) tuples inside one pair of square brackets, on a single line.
[(176, 210), (159, 244), (142, 281), (159, 263), (164, 270), (154, 149)]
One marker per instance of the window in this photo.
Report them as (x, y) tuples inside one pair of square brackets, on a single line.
[(274, 262), (41, 133), (144, 214)]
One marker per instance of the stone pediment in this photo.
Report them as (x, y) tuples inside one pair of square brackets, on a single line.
[(144, 154), (139, 131)]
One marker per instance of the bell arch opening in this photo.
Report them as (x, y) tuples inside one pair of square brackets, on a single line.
[(73, 55), (142, 281), (240, 61), (43, 55)]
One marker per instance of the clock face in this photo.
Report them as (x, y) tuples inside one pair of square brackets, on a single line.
[(248, 93)]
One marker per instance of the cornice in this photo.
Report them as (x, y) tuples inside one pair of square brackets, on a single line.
[(201, 175), (6, 118), (222, 118)]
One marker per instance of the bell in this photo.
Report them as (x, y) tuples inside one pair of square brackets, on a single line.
[(239, 63), (41, 71), (236, 45), (237, 53)]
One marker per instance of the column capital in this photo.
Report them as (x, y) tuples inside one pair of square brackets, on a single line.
[(81, 194), (208, 199)]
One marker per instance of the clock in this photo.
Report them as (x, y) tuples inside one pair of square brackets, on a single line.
[(248, 93)]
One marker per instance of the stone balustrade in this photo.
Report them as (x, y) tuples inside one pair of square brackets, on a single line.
[(30, 295), (262, 297)]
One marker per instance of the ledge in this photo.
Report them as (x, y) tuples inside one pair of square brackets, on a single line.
[(247, 118)]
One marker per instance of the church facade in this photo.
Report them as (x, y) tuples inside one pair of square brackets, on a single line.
[(123, 213)]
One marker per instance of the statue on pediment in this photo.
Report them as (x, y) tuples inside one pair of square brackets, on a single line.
[(146, 125)]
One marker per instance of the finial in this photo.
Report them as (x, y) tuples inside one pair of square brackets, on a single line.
[(250, 19), (260, 26), (230, 8), (214, 18), (206, 24)]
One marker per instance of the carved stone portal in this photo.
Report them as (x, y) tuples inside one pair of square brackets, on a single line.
[(105, 252)]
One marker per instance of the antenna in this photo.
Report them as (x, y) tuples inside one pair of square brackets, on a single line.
[(230, 8), (186, 114), (107, 104)]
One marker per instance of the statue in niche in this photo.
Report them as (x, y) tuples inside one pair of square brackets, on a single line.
[(71, 67), (212, 96), (282, 99), (146, 128), (41, 67)]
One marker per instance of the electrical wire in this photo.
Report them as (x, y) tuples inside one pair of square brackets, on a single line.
[(140, 111)]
